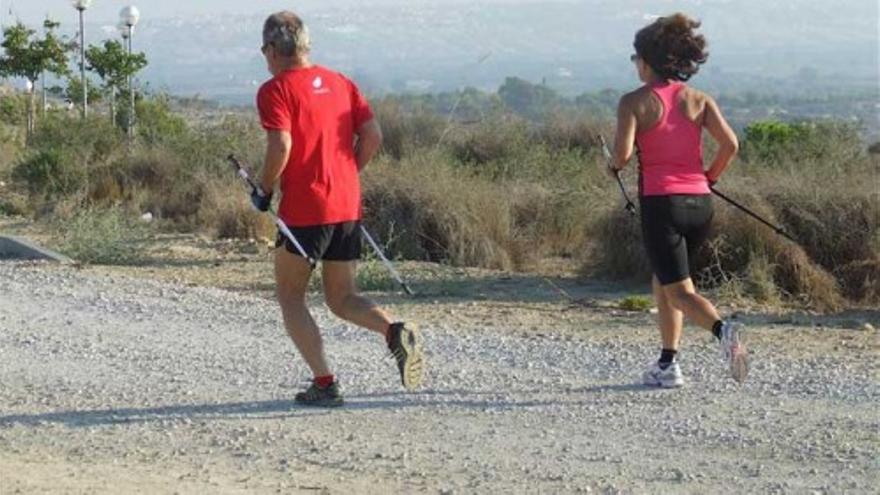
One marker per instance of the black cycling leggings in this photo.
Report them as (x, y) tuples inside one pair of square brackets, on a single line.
[(673, 228)]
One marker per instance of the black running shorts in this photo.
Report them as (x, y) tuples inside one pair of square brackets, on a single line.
[(334, 242), (673, 228)]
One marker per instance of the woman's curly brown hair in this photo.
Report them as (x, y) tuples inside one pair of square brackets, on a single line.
[(670, 46)]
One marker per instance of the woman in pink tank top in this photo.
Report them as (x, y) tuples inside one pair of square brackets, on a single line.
[(663, 121)]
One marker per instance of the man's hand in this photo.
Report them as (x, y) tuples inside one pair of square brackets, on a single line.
[(261, 200)]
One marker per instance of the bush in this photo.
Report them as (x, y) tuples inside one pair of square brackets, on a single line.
[(82, 142), (155, 123), (227, 211), (636, 303), (405, 132), (47, 173), (573, 131), (103, 236), (13, 110), (819, 144), (740, 251)]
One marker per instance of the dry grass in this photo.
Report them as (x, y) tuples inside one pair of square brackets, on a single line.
[(502, 193)]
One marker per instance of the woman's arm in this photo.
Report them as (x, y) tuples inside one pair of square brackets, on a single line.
[(625, 137), (728, 145)]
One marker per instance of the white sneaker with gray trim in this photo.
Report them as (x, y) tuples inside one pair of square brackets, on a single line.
[(733, 350), (658, 377)]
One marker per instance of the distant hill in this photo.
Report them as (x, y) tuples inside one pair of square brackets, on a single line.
[(785, 47)]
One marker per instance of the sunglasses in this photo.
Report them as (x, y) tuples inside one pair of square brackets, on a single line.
[(265, 47), (634, 57)]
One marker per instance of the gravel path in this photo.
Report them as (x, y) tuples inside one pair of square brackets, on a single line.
[(110, 384)]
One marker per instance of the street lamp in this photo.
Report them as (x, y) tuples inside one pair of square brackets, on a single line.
[(81, 6), (123, 31), (129, 17)]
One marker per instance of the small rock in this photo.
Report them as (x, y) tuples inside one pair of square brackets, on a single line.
[(867, 327)]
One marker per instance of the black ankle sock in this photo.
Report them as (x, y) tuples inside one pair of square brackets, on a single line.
[(667, 357), (716, 329)]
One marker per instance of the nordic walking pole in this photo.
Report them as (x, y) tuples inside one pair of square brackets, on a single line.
[(754, 215), (386, 261), (630, 207), (285, 231)]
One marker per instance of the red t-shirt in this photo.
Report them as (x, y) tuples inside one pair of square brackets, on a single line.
[(322, 110)]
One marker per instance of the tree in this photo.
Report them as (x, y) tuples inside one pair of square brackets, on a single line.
[(527, 99), (73, 92), (27, 57), (114, 65)]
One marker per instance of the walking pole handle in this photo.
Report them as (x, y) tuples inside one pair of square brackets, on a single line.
[(630, 206), (240, 170), (282, 227)]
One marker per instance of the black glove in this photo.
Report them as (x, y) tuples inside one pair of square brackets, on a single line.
[(261, 200)]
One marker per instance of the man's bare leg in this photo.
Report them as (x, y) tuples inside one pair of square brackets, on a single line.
[(292, 274), (340, 293), (404, 341)]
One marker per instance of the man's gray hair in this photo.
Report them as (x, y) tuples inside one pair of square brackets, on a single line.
[(287, 33)]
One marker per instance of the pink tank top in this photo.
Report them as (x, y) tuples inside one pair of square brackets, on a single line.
[(671, 152)]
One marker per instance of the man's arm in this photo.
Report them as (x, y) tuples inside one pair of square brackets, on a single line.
[(278, 146), (368, 143)]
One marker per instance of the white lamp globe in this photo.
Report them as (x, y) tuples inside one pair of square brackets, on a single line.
[(81, 4), (130, 15)]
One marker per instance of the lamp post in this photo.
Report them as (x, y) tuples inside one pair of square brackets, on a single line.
[(129, 17), (81, 6), (123, 32)]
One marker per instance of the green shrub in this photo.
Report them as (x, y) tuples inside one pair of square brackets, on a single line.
[(49, 174), (155, 122), (636, 303), (803, 145), (103, 236), (13, 110), (82, 142)]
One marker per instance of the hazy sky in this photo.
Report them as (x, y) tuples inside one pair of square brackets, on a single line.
[(107, 10)]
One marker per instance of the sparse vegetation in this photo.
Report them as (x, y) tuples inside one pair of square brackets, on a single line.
[(504, 192), (636, 303), (102, 236)]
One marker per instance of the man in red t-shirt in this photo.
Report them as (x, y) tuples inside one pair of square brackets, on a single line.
[(320, 134)]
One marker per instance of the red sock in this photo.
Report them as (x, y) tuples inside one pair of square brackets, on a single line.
[(324, 381)]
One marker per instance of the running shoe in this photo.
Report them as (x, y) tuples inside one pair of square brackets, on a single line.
[(733, 350), (658, 377), (405, 344), (316, 396)]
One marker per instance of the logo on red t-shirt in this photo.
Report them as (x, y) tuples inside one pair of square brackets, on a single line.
[(318, 84)]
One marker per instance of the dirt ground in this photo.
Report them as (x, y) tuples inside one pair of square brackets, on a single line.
[(174, 376)]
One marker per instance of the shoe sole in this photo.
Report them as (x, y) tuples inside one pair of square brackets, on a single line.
[(413, 366), (662, 384)]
